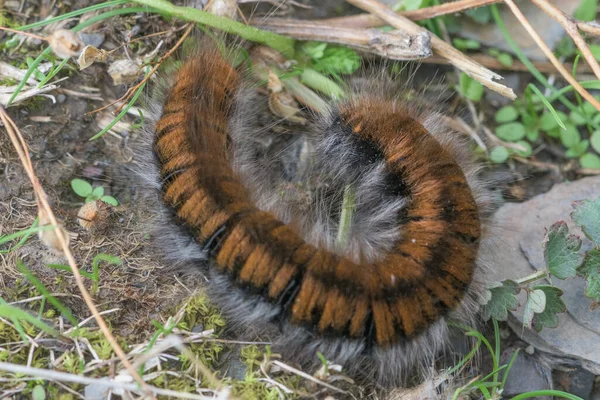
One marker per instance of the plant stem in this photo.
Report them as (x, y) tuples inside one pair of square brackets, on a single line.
[(536, 276), (280, 43)]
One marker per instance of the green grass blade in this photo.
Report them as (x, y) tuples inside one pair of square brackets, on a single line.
[(24, 235), (280, 43), (508, 367), (546, 103), (13, 313), (540, 393), (95, 265), (121, 114), (71, 14), (68, 269), (40, 287), (16, 323)]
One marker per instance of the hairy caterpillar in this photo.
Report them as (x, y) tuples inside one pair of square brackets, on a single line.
[(379, 305)]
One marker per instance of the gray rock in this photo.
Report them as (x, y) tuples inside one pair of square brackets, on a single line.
[(525, 375), (577, 381), (92, 39), (518, 252)]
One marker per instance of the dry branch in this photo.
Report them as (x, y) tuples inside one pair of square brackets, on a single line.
[(456, 58), (396, 45), (365, 21)]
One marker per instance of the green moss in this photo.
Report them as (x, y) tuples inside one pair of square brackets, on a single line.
[(200, 312)]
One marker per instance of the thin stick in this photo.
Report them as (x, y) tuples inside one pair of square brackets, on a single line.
[(20, 146), (538, 40), (456, 58), (589, 27), (372, 21), (84, 380), (2, 28), (571, 28)]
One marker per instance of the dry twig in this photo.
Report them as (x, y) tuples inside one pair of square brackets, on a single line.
[(557, 64), (371, 21), (46, 214), (456, 58), (396, 45)]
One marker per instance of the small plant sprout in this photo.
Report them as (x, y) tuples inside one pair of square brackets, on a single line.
[(84, 189)]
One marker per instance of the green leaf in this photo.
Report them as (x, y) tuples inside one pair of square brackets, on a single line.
[(588, 107), (589, 161), (499, 154), (503, 298), (554, 305), (506, 114), (98, 192), (587, 216), (586, 10), (535, 304), (577, 118), (505, 59), (314, 50), (548, 122), (595, 141), (38, 393), (590, 270), (511, 132), (338, 60), (561, 251), (81, 188), (527, 148), (570, 136), (532, 134), (470, 88), (578, 150), (466, 44), (110, 200)]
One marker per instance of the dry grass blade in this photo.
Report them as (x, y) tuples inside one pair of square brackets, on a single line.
[(44, 209), (557, 64), (571, 28), (456, 58), (372, 21)]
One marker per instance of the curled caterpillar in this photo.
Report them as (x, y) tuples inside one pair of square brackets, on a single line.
[(379, 304)]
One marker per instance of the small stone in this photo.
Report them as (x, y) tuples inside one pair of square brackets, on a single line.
[(61, 98), (92, 39), (529, 350)]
